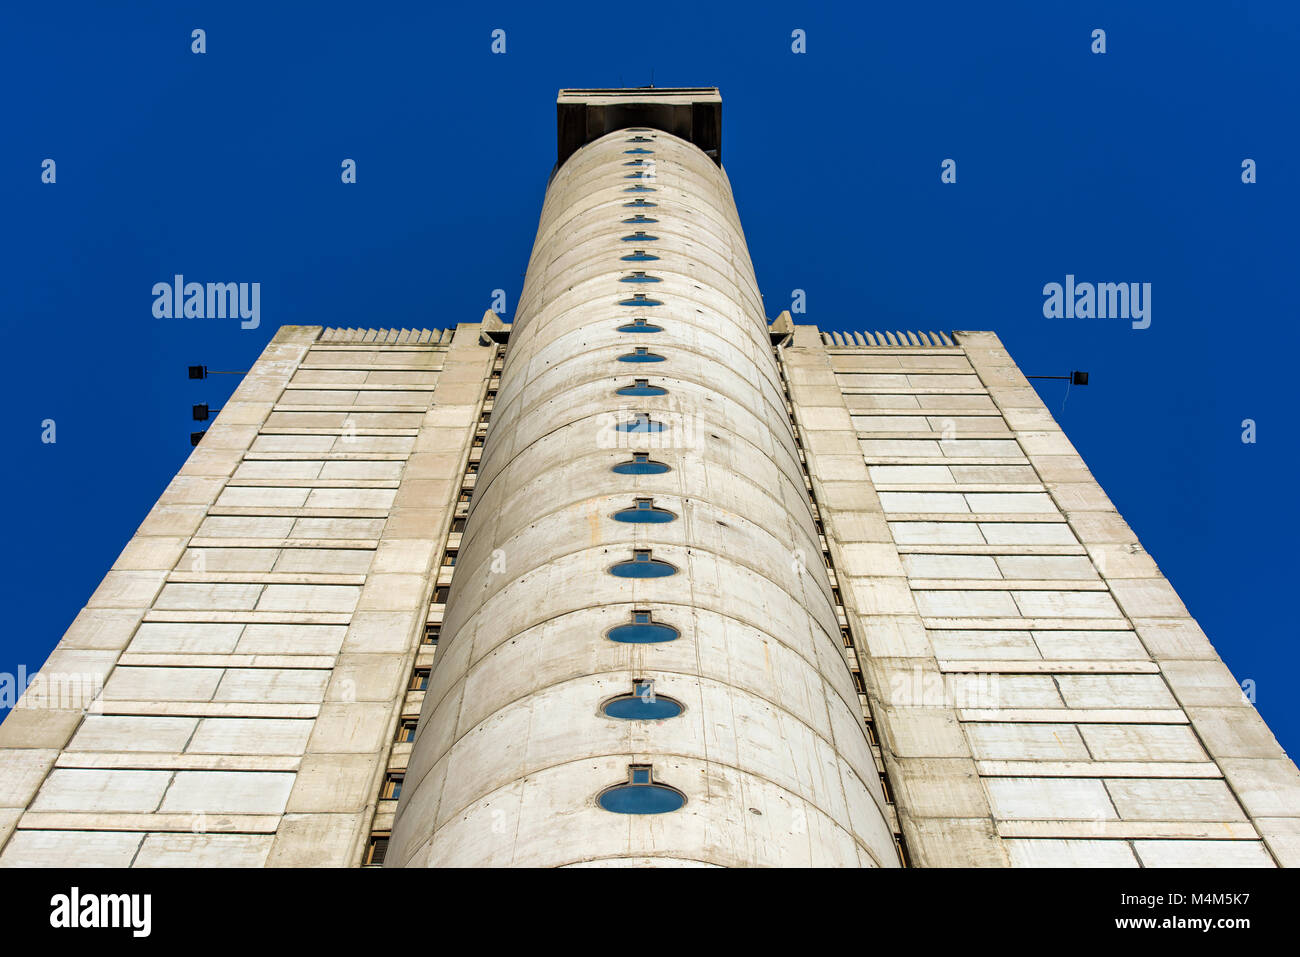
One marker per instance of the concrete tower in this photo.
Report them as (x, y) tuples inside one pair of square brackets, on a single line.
[(641, 430), (640, 578)]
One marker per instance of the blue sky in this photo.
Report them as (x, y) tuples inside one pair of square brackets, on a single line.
[(225, 167)]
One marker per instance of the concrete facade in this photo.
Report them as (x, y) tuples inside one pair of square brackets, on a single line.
[(1042, 695), (244, 665), (375, 618)]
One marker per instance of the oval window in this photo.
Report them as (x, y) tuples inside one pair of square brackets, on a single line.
[(642, 705), (641, 464), (640, 236), (641, 424), (639, 220), (643, 512), (640, 327), (640, 794), (640, 189), (642, 631), (642, 565), (640, 299), (641, 387), (640, 277), (640, 256), (641, 355), (639, 149)]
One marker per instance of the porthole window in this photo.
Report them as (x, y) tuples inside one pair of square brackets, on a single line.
[(640, 794), (641, 424), (642, 565), (641, 387), (640, 299), (641, 464), (642, 354), (640, 277), (643, 630), (638, 256), (639, 203), (640, 237), (643, 512), (639, 220), (639, 325), (642, 705)]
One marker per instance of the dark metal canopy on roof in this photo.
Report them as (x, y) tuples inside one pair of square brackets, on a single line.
[(693, 113)]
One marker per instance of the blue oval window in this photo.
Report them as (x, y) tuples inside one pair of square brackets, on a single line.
[(639, 220), (639, 149), (641, 464), (640, 299), (643, 512), (641, 424), (640, 189), (640, 277), (642, 705), (639, 203), (639, 256), (642, 565), (641, 355), (640, 236), (641, 387), (642, 631), (639, 325), (641, 795)]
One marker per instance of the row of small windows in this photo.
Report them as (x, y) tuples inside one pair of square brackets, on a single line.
[(641, 793)]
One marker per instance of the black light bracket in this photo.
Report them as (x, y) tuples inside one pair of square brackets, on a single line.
[(197, 437), (1075, 378), (202, 372)]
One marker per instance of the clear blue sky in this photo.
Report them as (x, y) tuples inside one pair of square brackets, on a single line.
[(225, 167)]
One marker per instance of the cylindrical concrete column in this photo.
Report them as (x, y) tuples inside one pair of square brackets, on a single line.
[(640, 660)]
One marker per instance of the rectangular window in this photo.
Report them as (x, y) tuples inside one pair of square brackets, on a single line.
[(377, 849), (440, 594), (392, 787), (419, 680), (431, 634), (406, 730)]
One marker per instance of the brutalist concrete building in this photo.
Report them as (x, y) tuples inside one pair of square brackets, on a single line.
[(641, 578)]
